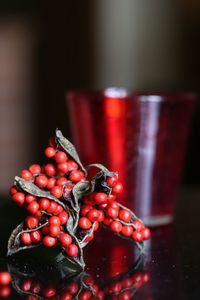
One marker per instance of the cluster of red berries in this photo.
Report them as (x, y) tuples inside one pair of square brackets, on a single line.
[(5, 279), (121, 289), (53, 177), (99, 207), (47, 192)]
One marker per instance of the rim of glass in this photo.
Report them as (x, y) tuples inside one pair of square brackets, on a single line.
[(121, 93)]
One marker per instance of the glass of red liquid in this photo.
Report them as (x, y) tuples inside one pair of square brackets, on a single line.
[(142, 137)]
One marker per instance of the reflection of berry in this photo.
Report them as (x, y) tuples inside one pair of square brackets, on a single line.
[(5, 278)]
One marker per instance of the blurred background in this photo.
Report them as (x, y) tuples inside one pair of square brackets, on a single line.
[(48, 48)]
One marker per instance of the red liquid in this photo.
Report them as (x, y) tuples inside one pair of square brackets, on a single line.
[(141, 137)]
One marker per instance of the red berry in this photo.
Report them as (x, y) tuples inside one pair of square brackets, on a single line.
[(65, 296), (90, 237), (50, 152), (88, 280), (35, 169), (26, 285), (19, 198), (52, 207), (12, 190), (100, 198), (50, 170), (111, 197), (72, 165), (51, 183), (107, 221), (100, 295), (60, 173), (138, 225), (29, 198), (60, 157), (36, 287), (49, 292), (73, 287), (33, 207), (85, 209), (103, 205), (126, 295), (61, 181), (31, 222), (85, 295), (113, 204), (72, 250), (45, 230), (137, 236), (101, 216), (54, 230), (127, 230), (63, 216), (117, 189), (44, 203), (57, 191), (116, 226), (111, 181), (5, 278), (76, 176), (116, 287), (41, 181), (54, 221), (49, 241), (84, 223), (38, 214), (127, 282), (65, 239), (63, 167), (26, 238), (58, 210), (96, 225), (36, 236), (112, 212), (146, 233), (26, 174), (5, 291), (125, 215), (93, 215)]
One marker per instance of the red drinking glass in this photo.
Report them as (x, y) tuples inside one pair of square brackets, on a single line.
[(142, 137)]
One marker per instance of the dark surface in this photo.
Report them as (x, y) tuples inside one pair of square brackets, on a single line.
[(170, 268)]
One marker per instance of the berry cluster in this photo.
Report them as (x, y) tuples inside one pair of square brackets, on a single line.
[(54, 177), (65, 208), (99, 207)]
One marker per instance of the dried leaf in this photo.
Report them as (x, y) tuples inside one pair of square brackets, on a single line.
[(69, 148), (105, 171), (85, 234), (32, 189), (14, 242)]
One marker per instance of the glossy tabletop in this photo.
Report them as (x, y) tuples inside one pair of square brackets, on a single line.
[(169, 268)]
